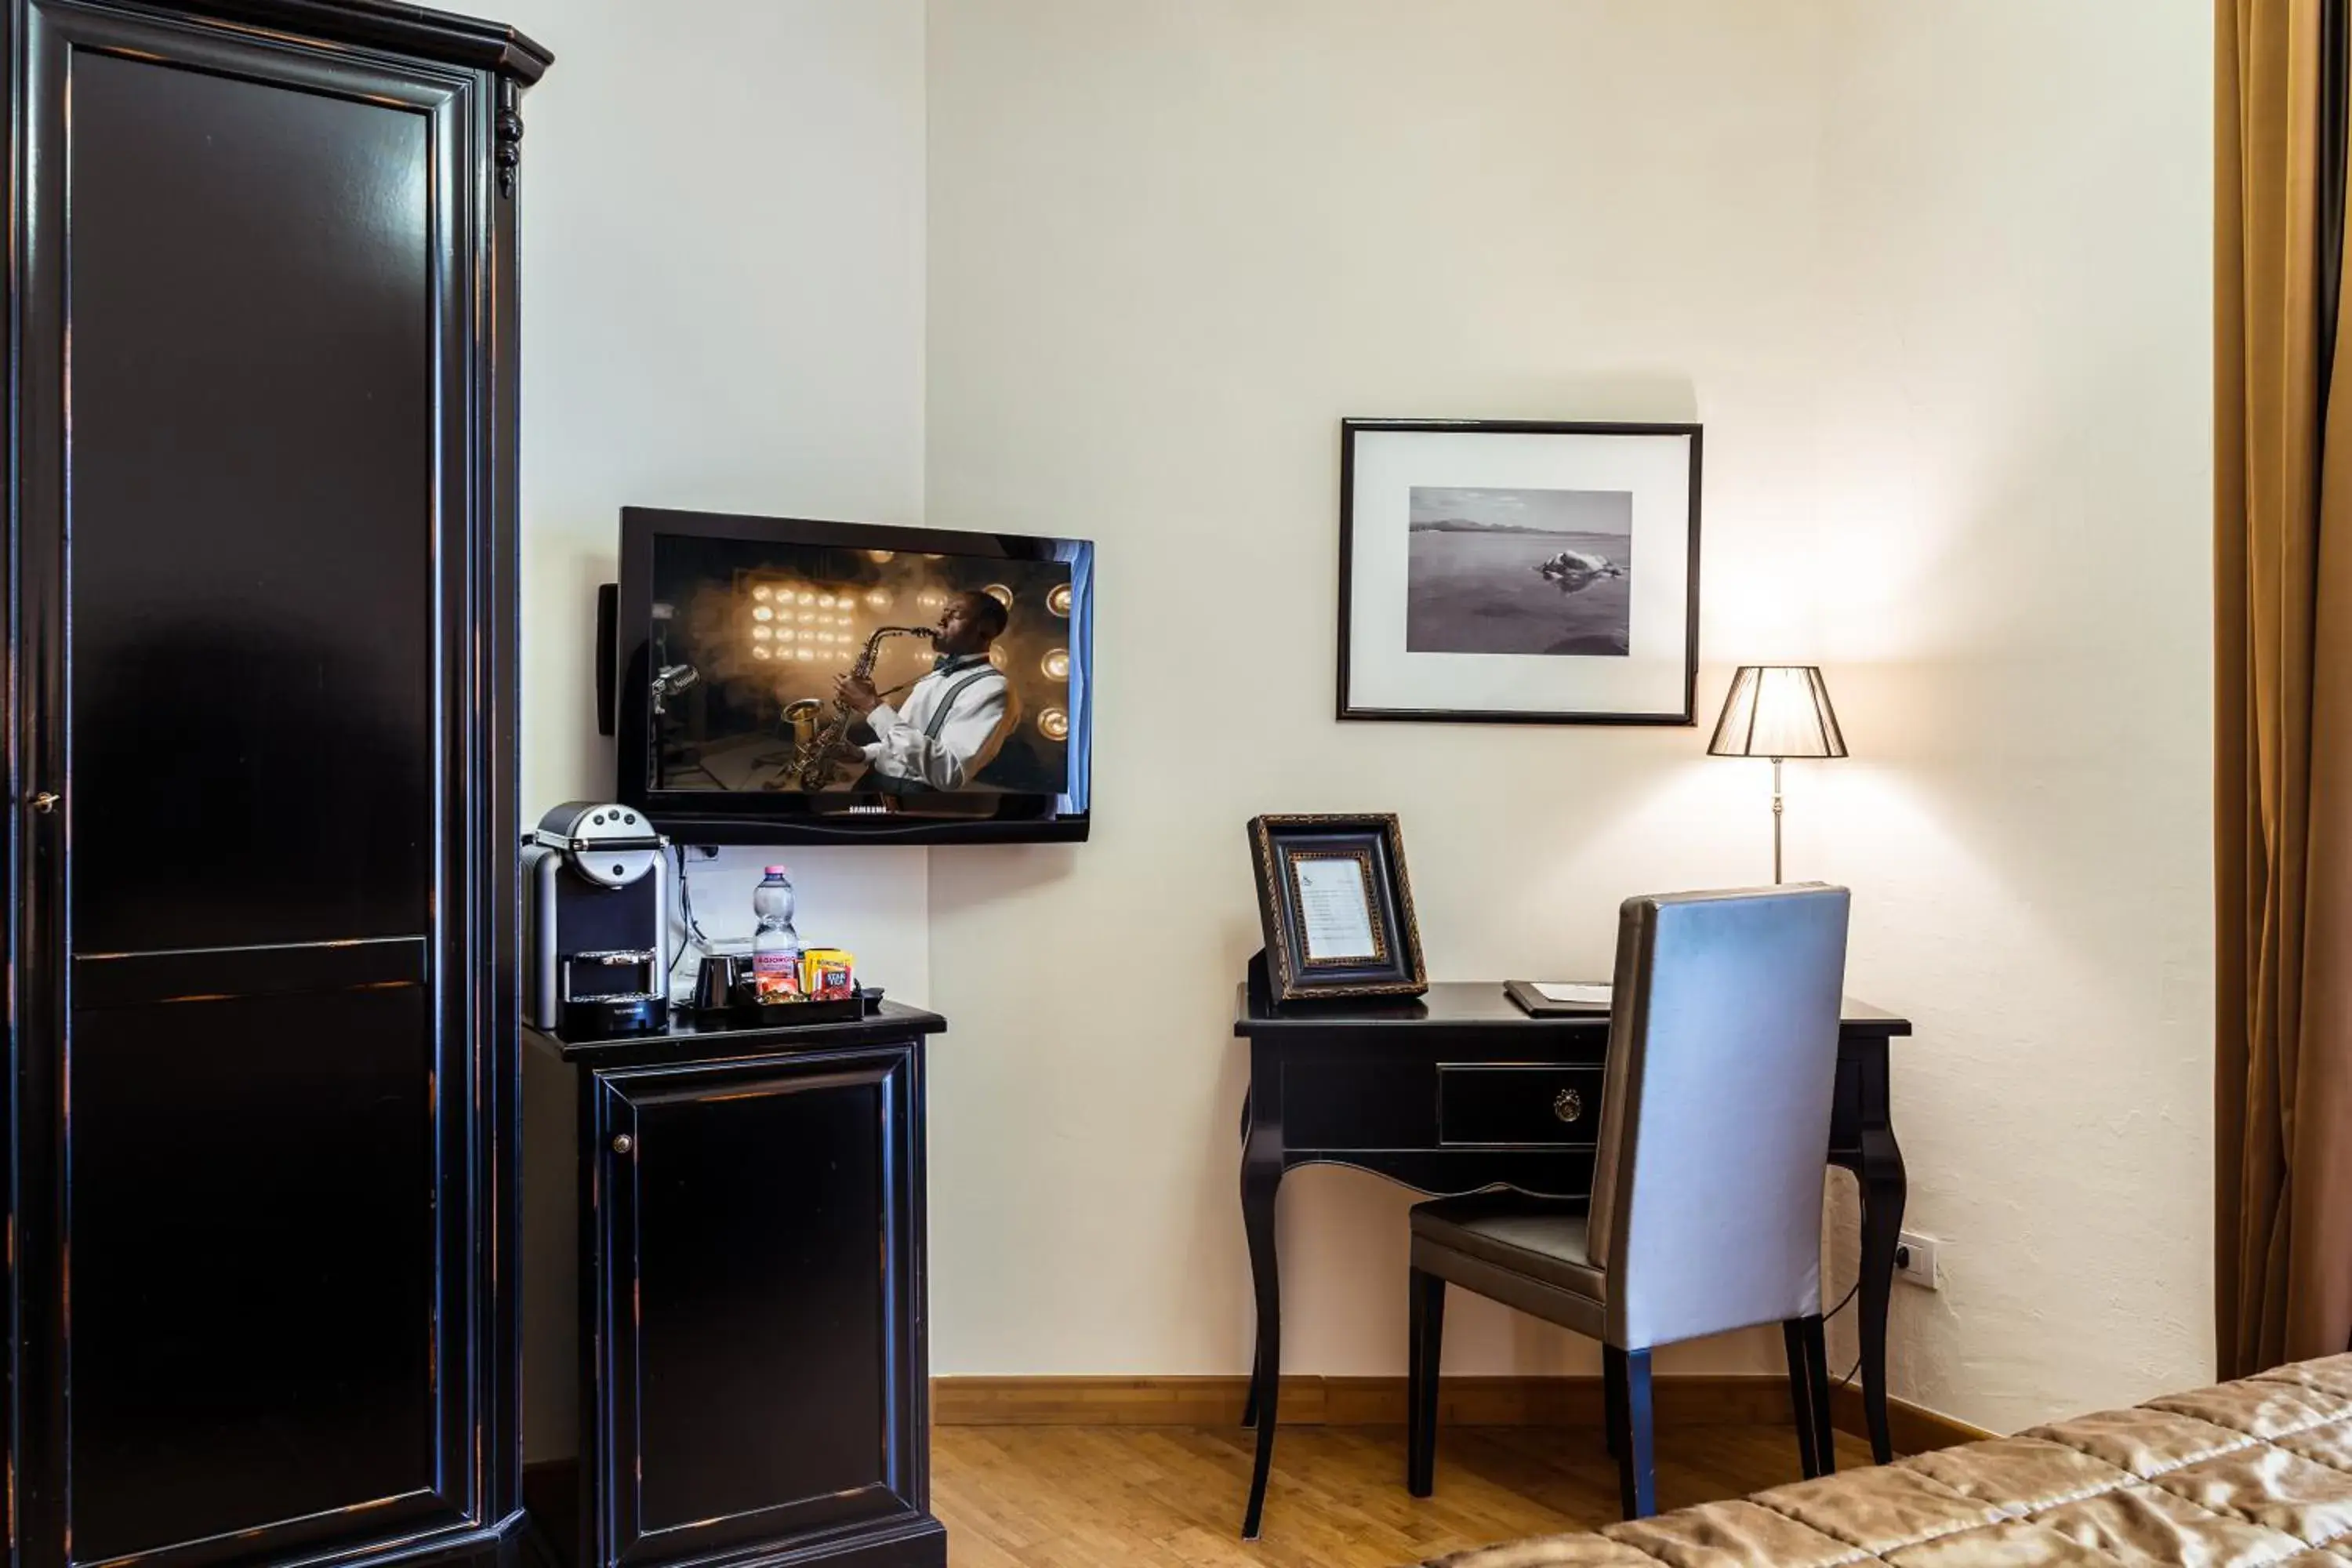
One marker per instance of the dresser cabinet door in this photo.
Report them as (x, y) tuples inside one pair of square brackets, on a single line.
[(260, 1039), (758, 1288)]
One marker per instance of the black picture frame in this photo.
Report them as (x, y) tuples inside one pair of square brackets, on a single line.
[(1277, 844), (1348, 708)]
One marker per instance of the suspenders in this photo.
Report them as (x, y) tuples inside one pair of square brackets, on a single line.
[(938, 719), (932, 728)]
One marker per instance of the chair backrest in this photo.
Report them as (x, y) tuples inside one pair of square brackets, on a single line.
[(1715, 1121)]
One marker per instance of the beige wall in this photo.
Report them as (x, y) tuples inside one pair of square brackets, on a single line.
[(2014, 550), (1933, 277), (722, 295), (723, 288)]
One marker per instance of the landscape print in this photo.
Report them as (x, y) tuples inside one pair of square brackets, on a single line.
[(1520, 570)]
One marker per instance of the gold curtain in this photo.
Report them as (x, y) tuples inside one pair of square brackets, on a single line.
[(2283, 669)]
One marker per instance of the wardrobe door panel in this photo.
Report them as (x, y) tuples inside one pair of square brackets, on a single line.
[(252, 509), (254, 1323)]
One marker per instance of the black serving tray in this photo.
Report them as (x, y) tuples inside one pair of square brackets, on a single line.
[(789, 1014)]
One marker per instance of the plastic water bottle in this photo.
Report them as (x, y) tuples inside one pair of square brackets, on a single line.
[(776, 946)]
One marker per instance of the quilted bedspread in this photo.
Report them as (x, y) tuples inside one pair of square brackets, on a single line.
[(2250, 1473)]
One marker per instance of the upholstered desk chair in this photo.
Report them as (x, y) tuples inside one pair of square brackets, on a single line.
[(1707, 1199)]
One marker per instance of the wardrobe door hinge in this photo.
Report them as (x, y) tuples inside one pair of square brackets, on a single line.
[(506, 151)]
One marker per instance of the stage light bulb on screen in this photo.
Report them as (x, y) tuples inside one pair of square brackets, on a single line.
[(880, 556), (996, 657), (808, 598), (761, 633), (784, 634), (758, 653), (763, 614), (807, 654), (1000, 593), (1056, 664), (760, 593), (1053, 725), (880, 598), (1058, 601), (824, 601)]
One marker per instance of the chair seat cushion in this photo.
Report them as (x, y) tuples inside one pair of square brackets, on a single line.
[(1506, 1235)]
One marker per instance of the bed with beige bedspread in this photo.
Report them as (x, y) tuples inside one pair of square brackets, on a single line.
[(2247, 1474)]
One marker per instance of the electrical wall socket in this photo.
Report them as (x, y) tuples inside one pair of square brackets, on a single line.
[(1914, 1259)]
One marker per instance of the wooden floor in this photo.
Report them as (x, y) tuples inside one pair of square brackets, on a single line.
[(1084, 1496)]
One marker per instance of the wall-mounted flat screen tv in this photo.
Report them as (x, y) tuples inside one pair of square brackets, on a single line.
[(785, 680)]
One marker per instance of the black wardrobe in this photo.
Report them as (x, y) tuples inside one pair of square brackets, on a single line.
[(261, 686)]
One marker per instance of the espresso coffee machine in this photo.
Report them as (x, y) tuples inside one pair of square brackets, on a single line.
[(596, 931)]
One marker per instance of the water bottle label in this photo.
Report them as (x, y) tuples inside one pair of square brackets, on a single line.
[(776, 976)]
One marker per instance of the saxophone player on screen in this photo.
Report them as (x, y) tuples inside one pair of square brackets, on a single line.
[(954, 720)]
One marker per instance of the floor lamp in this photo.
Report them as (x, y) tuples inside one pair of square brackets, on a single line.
[(1777, 711)]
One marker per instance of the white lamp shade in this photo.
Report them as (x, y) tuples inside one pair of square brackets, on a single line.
[(1777, 710)]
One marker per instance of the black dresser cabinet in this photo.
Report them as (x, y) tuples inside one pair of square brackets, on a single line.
[(264, 1051), (754, 1376)]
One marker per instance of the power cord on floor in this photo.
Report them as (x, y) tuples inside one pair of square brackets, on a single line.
[(1846, 1302), (1853, 1291)]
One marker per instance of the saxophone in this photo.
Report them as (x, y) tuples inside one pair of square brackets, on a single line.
[(816, 745)]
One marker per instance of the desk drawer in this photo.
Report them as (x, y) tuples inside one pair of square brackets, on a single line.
[(1340, 1105), (1482, 1102)]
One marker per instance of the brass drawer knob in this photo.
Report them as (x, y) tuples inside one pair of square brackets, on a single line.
[(623, 1143), (1568, 1105)]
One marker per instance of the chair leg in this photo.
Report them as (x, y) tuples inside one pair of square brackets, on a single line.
[(1637, 1480), (1817, 1352), (1428, 1312), (1800, 1393), (1612, 1394)]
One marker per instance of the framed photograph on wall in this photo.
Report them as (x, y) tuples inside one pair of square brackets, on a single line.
[(1336, 907), (1515, 571)]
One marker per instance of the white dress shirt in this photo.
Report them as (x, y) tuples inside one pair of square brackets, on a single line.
[(953, 725)]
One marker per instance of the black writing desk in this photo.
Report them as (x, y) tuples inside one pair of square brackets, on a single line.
[(1461, 1090)]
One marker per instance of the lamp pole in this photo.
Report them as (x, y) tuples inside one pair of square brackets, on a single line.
[(1777, 711)]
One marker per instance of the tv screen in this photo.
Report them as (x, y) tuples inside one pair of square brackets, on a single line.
[(785, 680)]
